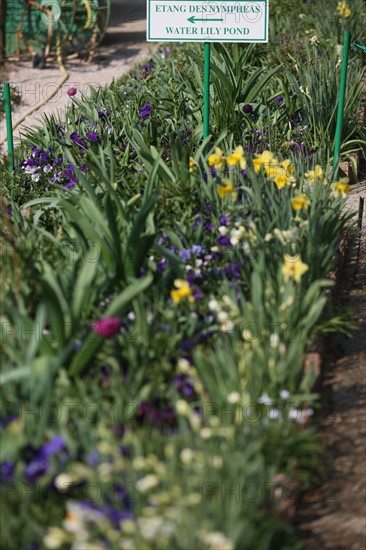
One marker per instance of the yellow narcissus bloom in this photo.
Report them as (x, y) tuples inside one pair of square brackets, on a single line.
[(341, 188), (315, 174), (217, 159), (343, 9), (293, 268), (263, 159), (183, 290), (226, 189), (282, 179), (300, 202), (237, 157), (286, 164), (192, 165)]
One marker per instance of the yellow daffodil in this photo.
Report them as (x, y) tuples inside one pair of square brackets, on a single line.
[(279, 174), (273, 169), (237, 157), (300, 202), (263, 159), (343, 9), (192, 165), (293, 268), (281, 180), (226, 189), (315, 174), (286, 164), (341, 188), (182, 290), (217, 159)]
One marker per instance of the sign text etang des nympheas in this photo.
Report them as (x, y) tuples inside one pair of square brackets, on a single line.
[(207, 21)]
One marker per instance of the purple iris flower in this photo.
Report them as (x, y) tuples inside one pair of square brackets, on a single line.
[(184, 385), (55, 445), (224, 240), (209, 227), (77, 139), (198, 250), (6, 471), (36, 469), (103, 113), (145, 111), (185, 254), (93, 136), (161, 265), (278, 100), (224, 220), (69, 170), (83, 168)]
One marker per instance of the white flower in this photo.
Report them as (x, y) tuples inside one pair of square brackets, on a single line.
[(274, 340), (54, 538), (213, 305), (183, 365), (223, 230), (131, 316), (264, 399), (222, 316), (234, 397), (294, 414), (182, 407), (206, 433), (227, 326), (284, 394), (148, 482), (63, 482), (273, 414), (246, 248), (186, 456)]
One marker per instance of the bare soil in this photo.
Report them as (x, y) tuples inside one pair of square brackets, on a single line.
[(334, 516)]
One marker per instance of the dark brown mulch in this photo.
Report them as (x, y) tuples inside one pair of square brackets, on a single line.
[(334, 516)]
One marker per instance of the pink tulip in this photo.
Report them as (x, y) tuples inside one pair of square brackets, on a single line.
[(107, 327), (71, 91)]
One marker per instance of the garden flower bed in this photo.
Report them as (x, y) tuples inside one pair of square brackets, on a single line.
[(160, 295)]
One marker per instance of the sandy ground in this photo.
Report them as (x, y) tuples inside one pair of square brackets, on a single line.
[(123, 46)]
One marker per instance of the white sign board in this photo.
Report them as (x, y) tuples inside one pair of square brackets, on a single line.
[(207, 21)]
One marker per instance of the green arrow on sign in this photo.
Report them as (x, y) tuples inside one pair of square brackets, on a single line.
[(193, 19)]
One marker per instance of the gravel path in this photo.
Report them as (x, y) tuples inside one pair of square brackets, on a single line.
[(334, 517), (123, 47)]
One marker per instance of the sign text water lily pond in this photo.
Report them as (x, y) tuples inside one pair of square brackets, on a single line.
[(207, 21)]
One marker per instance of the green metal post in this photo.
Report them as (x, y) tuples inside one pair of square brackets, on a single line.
[(356, 45), (206, 90), (9, 126), (342, 93)]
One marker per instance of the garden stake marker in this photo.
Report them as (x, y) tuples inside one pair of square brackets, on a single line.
[(205, 21), (9, 129), (342, 93)]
